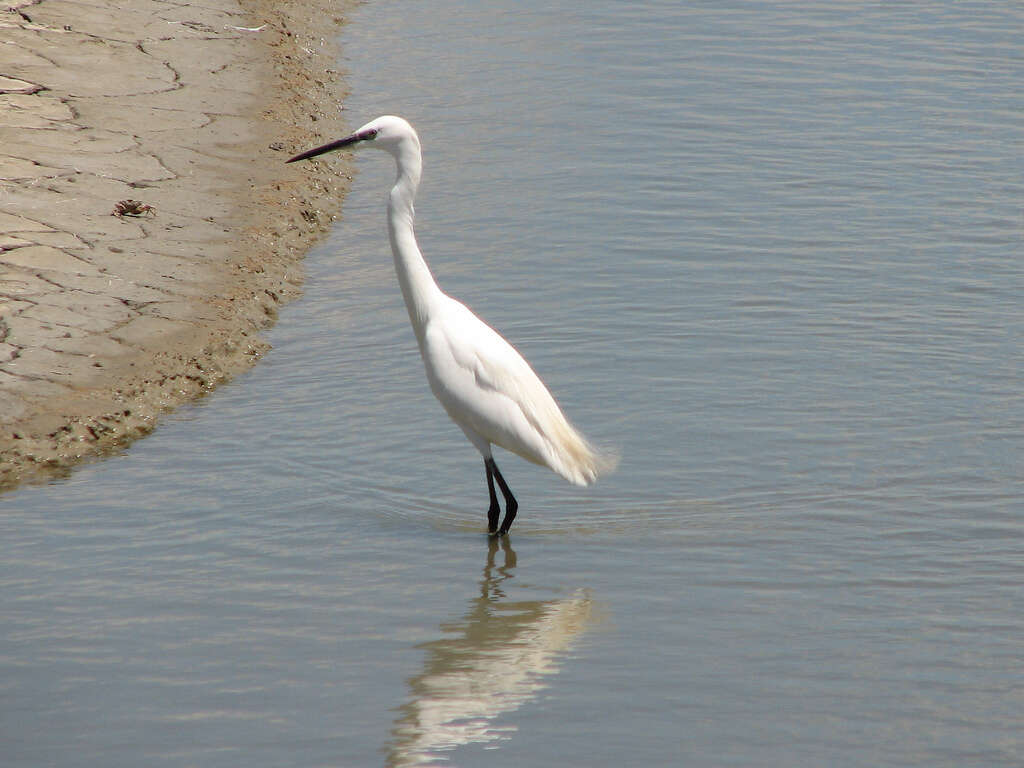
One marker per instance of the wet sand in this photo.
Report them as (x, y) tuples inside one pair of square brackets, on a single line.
[(108, 321)]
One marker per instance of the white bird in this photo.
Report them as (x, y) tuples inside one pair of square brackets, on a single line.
[(484, 384)]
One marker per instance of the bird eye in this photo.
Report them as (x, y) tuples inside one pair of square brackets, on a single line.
[(370, 134)]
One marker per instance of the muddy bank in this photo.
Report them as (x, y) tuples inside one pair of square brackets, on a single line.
[(108, 321)]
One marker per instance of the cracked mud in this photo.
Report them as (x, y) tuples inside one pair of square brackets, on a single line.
[(106, 321)]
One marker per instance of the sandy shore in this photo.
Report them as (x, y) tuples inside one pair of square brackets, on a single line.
[(108, 321)]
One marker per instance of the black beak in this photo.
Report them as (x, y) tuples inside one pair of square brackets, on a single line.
[(331, 146)]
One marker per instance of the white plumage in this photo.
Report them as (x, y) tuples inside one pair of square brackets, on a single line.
[(484, 384), (490, 391)]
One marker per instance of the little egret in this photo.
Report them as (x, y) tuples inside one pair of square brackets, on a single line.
[(484, 384)]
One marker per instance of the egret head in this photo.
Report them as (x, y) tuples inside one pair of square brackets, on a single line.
[(389, 133)]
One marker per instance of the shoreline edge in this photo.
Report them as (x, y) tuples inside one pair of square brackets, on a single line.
[(108, 321)]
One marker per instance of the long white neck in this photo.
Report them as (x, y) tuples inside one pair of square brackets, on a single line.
[(419, 289)]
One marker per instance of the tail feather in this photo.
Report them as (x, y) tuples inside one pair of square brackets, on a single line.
[(575, 458)]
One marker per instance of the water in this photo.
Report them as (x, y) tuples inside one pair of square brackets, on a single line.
[(770, 251)]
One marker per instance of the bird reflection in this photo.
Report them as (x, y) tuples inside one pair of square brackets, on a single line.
[(498, 657)]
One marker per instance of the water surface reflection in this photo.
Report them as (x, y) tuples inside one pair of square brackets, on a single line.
[(496, 658)]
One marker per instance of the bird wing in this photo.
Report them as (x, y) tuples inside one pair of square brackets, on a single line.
[(486, 385)]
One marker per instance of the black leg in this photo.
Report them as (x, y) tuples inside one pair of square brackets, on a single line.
[(511, 505), (494, 510)]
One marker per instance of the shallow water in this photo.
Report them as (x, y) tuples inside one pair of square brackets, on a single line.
[(771, 252)]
